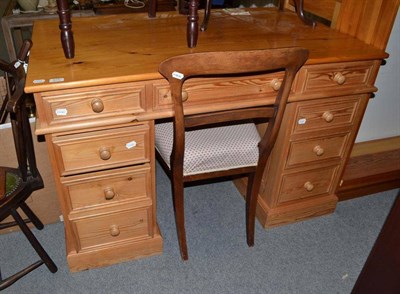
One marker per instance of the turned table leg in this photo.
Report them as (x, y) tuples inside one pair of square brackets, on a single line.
[(192, 24), (67, 38)]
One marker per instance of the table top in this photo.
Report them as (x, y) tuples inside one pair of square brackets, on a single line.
[(129, 47)]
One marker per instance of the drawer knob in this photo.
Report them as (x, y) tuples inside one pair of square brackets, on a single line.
[(109, 193), (276, 84), (328, 116), (97, 105), (105, 153), (318, 150), (339, 78), (309, 186), (114, 230), (185, 95)]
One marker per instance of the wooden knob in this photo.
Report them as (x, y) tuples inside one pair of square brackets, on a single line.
[(339, 78), (318, 150), (328, 116), (185, 96), (109, 193), (308, 186), (105, 153), (114, 230), (276, 84), (97, 105)]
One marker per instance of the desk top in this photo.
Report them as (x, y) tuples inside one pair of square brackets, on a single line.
[(123, 48)]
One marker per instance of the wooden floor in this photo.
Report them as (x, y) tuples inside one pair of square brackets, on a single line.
[(374, 166)]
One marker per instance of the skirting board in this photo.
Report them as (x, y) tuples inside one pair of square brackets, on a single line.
[(374, 166)]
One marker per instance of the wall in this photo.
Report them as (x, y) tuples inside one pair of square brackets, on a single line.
[(382, 118)]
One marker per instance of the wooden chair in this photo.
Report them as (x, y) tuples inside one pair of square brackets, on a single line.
[(17, 184), (298, 7), (204, 146)]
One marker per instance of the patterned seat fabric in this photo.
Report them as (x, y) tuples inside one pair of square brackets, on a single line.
[(212, 149)]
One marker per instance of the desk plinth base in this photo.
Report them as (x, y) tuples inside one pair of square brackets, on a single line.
[(292, 212), (101, 257)]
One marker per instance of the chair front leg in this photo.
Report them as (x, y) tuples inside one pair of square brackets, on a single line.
[(253, 187), (34, 242), (179, 209)]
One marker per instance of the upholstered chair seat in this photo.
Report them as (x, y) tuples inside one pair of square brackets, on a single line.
[(212, 149)]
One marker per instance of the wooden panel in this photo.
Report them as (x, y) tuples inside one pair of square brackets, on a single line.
[(375, 146), (108, 188), (93, 103), (317, 150), (112, 228), (374, 166), (102, 149), (312, 116), (368, 20)]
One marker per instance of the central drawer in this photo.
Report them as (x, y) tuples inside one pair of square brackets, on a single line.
[(218, 92), (99, 150)]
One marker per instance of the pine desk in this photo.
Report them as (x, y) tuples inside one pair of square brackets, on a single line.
[(97, 112)]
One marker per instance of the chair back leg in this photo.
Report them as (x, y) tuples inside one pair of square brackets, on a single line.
[(32, 217)]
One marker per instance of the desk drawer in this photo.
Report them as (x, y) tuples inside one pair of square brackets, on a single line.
[(316, 150), (337, 79), (93, 102), (325, 114), (307, 184), (99, 150), (112, 228), (108, 188), (218, 92)]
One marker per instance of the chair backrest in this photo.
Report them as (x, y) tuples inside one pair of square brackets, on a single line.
[(14, 105), (327, 9), (180, 68)]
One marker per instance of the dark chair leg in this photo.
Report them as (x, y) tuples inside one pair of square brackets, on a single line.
[(253, 187), (178, 200), (34, 242), (11, 280), (152, 8), (32, 216), (207, 13), (299, 4)]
